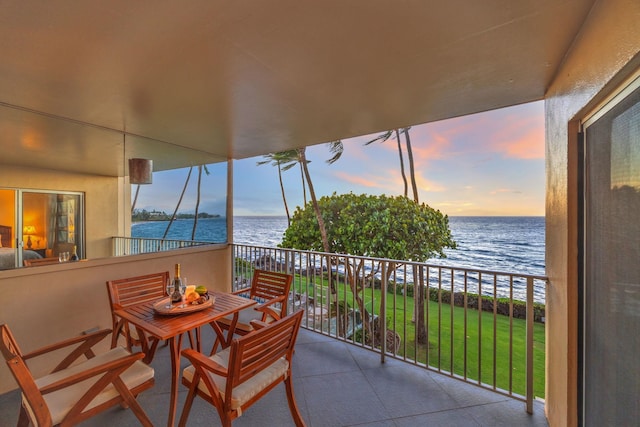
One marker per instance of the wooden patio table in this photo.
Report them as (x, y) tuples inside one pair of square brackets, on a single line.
[(171, 328)]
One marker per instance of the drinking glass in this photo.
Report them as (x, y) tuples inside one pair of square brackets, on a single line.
[(183, 288), (169, 289)]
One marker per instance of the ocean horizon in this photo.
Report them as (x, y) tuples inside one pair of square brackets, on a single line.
[(497, 243), (510, 244)]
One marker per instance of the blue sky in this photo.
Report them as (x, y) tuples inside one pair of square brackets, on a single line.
[(489, 163)]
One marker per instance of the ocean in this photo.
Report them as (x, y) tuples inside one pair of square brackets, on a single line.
[(504, 244)]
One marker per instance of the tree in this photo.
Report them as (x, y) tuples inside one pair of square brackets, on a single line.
[(418, 314), (336, 148), (135, 199), (383, 137), (393, 228), (284, 160), (195, 217), (412, 172), (173, 217)]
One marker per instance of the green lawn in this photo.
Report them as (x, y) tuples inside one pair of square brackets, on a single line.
[(479, 340)]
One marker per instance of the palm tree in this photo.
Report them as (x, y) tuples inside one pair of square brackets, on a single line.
[(302, 159), (195, 218), (385, 137), (414, 185), (336, 148), (135, 199), (173, 217), (284, 160)]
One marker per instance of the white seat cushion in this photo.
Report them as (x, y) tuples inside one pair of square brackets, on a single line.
[(246, 315), (245, 391), (60, 402)]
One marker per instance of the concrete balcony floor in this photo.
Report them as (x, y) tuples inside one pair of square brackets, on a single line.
[(336, 384)]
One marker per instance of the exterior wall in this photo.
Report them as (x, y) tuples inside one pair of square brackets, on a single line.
[(43, 305), (606, 51), (106, 200)]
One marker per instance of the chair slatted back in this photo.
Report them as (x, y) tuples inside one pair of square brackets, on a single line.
[(270, 284), (254, 352), (13, 356), (136, 290)]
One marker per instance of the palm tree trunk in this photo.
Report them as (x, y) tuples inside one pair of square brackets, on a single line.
[(178, 205), (323, 231), (284, 198), (195, 218), (411, 167), (304, 187), (135, 199), (404, 175)]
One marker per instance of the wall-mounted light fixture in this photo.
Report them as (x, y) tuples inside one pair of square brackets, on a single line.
[(140, 171), (29, 230)]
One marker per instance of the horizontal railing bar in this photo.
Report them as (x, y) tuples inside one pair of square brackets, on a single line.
[(425, 264)]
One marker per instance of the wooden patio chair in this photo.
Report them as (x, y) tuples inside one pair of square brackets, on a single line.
[(133, 291), (271, 291), (238, 376), (76, 390)]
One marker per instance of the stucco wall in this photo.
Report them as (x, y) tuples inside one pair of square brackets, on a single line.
[(43, 305), (605, 53)]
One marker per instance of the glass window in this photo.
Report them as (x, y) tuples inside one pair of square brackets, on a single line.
[(35, 225), (611, 269)]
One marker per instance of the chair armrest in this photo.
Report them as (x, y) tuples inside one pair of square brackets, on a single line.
[(200, 359), (258, 324), (86, 343), (241, 291), (113, 366), (266, 308), (280, 299)]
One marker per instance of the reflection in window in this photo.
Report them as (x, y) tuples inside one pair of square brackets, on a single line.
[(39, 225)]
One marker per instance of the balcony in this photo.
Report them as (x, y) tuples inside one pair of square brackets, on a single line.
[(336, 384), (499, 349)]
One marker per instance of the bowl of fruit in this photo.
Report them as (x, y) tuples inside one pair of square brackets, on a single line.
[(196, 295)]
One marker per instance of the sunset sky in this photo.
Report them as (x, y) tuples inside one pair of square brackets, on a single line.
[(487, 164)]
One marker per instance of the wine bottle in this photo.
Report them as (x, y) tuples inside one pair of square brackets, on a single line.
[(74, 255), (176, 296)]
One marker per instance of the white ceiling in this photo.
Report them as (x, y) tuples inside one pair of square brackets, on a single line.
[(200, 81)]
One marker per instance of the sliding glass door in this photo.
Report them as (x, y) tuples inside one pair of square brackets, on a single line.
[(611, 306), (39, 224)]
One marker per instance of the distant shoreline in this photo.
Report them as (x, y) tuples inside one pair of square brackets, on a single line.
[(182, 217)]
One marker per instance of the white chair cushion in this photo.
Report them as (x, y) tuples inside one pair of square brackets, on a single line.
[(245, 391), (60, 402), (246, 315)]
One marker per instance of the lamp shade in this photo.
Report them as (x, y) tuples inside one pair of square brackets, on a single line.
[(140, 171), (29, 230)]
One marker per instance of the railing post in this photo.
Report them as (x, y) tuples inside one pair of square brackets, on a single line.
[(529, 392), (382, 316)]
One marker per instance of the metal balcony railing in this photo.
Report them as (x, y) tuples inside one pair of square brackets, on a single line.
[(437, 326), (138, 245)]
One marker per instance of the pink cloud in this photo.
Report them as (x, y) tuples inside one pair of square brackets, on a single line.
[(357, 179), (517, 132)]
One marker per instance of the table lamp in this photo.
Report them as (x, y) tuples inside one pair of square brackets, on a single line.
[(29, 230)]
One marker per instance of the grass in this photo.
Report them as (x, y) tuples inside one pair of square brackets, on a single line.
[(474, 347)]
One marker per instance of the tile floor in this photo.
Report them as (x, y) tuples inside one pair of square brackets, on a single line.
[(336, 384)]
